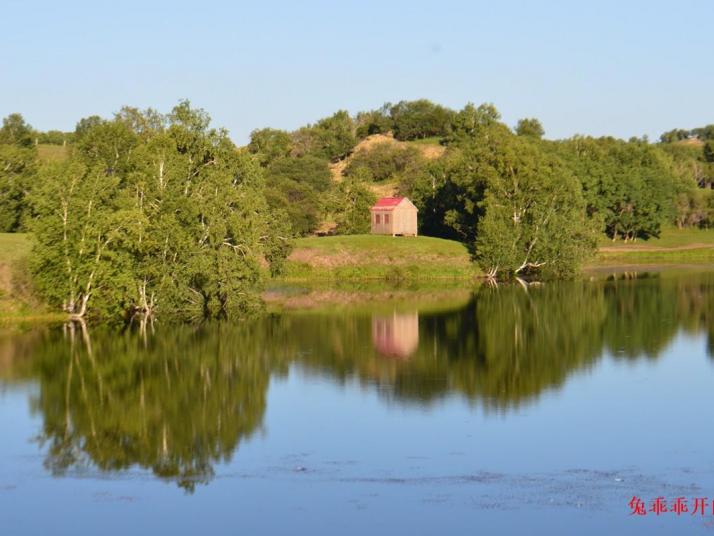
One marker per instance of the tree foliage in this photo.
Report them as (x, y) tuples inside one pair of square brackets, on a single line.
[(18, 162), (630, 186), (467, 123), (530, 127), (417, 119), (270, 144), (168, 218), (295, 186), (331, 138), (15, 131), (351, 202), (385, 161), (519, 208), (373, 122), (534, 213)]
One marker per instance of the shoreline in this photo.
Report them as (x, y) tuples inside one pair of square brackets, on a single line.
[(384, 261)]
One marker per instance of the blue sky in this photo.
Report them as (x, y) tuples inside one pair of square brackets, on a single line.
[(619, 68)]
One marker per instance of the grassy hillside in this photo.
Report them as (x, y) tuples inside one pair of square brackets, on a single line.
[(673, 246), (378, 257), (52, 153), (385, 257), (14, 247), (16, 297)]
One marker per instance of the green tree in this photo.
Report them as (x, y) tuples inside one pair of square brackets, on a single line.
[(373, 122), (294, 186), (447, 196), (54, 137), (469, 121), (335, 136), (534, 212), (83, 217), (86, 123), (704, 133), (708, 151), (108, 144), (155, 215), (331, 138), (352, 201), (310, 171), (419, 119), (530, 127), (385, 161), (674, 135), (518, 208), (270, 144), (17, 170), (15, 131), (628, 186), (298, 202)]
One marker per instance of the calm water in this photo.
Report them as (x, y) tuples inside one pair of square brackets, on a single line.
[(387, 412)]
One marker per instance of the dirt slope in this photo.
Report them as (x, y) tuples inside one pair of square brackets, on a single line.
[(429, 151)]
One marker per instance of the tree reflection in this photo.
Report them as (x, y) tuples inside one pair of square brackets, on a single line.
[(180, 400), (509, 344), (175, 403)]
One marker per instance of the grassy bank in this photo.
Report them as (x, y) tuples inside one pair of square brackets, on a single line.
[(674, 246), (371, 257), (378, 257), (385, 257), (17, 302)]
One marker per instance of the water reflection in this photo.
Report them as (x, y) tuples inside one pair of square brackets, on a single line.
[(396, 335), (180, 400), (174, 404)]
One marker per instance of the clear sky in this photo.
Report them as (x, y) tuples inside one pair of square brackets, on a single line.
[(604, 67)]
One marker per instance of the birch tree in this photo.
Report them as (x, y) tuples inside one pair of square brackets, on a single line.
[(155, 215), (533, 213)]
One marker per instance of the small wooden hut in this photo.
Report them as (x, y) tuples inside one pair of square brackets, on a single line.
[(396, 216)]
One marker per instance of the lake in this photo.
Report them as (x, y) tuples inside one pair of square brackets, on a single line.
[(545, 409)]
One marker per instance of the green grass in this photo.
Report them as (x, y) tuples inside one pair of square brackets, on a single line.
[(384, 245), (52, 153), (14, 247), (670, 237), (364, 257), (685, 256), (674, 246), (378, 257), (17, 301)]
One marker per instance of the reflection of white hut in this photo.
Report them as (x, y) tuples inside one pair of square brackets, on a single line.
[(396, 335)]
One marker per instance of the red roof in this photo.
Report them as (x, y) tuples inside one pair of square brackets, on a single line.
[(388, 202)]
